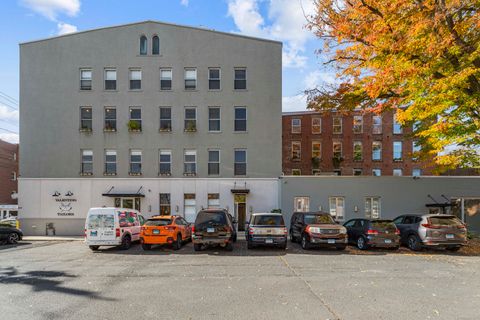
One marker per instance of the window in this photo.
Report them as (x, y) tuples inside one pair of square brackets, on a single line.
[(85, 79), (135, 79), (165, 79), (190, 79), (240, 119), (397, 150), (357, 151), (316, 125), (316, 172), (213, 162), (240, 166), (337, 125), (165, 168), (110, 79), (143, 45), (110, 114), (357, 124), (214, 79), (155, 45), (135, 162), (296, 172), (357, 172), (110, 162), (165, 119), (190, 162), (372, 207), (377, 125), (189, 207), (214, 200), (337, 172), (190, 119), (13, 176), (86, 119), (376, 150), (240, 82), (87, 162), (416, 148), (416, 172), (316, 150), (165, 209), (376, 172), (135, 123), (397, 172), (296, 125), (337, 207), (337, 149), (296, 150), (397, 128), (301, 204), (214, 119)]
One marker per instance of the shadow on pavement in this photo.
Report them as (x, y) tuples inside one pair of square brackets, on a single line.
[(4, 246)]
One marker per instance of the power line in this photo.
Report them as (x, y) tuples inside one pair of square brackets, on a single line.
[(7, 104), (9, 97), (12, 124), (8, 130)]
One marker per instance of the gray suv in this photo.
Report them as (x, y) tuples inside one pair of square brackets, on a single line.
[(431, 230)]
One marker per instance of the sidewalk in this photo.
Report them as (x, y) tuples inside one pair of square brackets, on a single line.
[(53, 238)]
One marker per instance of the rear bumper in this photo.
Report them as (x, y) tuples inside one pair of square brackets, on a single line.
[(265, 240), (432, 242), (161, 239), (220, 240), (380, 242), (103, 243)]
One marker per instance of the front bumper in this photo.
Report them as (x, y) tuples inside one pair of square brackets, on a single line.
[(325, 240)]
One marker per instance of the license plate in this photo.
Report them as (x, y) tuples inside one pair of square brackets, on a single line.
[(93, 233), (388, 241), (331, 241), (450, 236), (155, 231), (268, 240), (210, 230)]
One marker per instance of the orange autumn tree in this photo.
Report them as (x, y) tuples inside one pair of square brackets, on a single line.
[(419, 57)]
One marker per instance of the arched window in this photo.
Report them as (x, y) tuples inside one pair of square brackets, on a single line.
[(143, 45), (155, 45)]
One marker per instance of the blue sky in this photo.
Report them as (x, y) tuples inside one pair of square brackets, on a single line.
[(283, 20)]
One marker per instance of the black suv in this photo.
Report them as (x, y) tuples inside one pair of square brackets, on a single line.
[(214, 227)]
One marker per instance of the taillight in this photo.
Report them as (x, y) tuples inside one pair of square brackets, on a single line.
[(143, 228), (285, 231), (170, 228), (397, 232), (430, 226), (251, 230), (193, 229), (117, 232), (85, 233), (372, 232), (307, 229), (462, 226)]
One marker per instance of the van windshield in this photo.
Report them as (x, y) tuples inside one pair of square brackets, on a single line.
[(100, 221), (264, 220), (158, 222)]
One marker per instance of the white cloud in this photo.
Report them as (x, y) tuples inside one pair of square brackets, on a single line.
[(294, 103), (7, 114), (315, 78), (64, 28), (184, 3), (9, 137), (52, 8)]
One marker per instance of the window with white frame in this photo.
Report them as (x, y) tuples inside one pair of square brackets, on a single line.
[(357, 124), (397, 150), (316, 172), (416, 172), (301, 204), (377, 150), (240, 165), (416, 148), (357, 151), (372, 207), (165, 119), (110, 79), (213, 162), (376, 172), (214, 78), (135, 79), (190, 122), (110, 162), (165, 79), (165, 204), (296, 172), (135, 162), (13, 176), (143, 45), (165, 158), (155, 45), (87, 162), (337, 125), (357, 171), (296, 125), (214, 119), (397, 172), (337, 149), (110, 118), (135, 123), (190, 78), (85, 79), (377, 125), (190, 207), (296, 151), (190, 162), (213, 200), (397, 127), (316, 150), (86, 116), (316, 125), (240, 81), (337, 207), (240, 124)]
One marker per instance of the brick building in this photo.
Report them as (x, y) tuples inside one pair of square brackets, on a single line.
[(8, 179), (317, 143)]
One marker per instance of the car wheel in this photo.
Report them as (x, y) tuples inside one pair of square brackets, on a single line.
[(305, 242), (13, 238), (413, 242), (146, 247), (197, 247), (453, 249), (178, 244), (340, 248), (361, 243), (94, 248), (126, 243)]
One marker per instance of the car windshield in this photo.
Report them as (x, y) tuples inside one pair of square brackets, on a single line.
[(445, 221), (211, 218), (318, 219), (158, 222), (100, 221), (264, 220), (384, 225)]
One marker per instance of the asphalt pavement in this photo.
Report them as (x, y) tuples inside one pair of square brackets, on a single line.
[(65, 280)]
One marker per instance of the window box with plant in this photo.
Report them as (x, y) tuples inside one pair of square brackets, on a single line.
[(134, 126), (86, 174), (165, 128), (165, 174), (109, 174), (190, 126), (86, 129), (134, 173)]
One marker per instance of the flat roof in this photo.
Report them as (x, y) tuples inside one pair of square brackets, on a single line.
[(157, 22)]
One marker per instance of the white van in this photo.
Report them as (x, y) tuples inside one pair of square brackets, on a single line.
[(112, 227)]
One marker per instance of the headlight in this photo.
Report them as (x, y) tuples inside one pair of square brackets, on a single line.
[(343, 230)]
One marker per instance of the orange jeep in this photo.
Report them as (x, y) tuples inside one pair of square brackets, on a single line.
[(173, 230)]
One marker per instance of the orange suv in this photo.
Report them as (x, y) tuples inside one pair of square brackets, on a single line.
[(172, 230)]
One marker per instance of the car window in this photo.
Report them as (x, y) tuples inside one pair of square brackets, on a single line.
[(445, 221), (211, 218), (266, 220), (383, 225), (158, 222), (349, 223), (141, 219), (127, 219), (96, 221), (409, 220), (398, 220), (418, 219)]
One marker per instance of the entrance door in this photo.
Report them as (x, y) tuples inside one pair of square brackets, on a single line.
[(241, 210), (128, 203)]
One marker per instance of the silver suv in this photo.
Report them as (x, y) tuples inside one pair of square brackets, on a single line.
[(431, 230)]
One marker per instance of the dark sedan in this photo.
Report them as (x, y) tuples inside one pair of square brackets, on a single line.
[(366, 233), (10, 234)]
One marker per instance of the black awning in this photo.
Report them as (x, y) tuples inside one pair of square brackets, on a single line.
[(123, 195), (438, 205), (240, 191)]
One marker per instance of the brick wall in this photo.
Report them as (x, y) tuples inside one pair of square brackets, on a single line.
[(8, 164)]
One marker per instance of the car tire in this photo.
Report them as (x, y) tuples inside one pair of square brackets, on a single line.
[(341, 248), (13, 238), (197, 247), (146, 247), (178, 243), (305, 243), (395, 248), (362, 243), (453, 249), (413, 243), (126, 243), (94, 248)]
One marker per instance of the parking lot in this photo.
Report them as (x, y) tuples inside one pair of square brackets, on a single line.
[(65, 280)]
